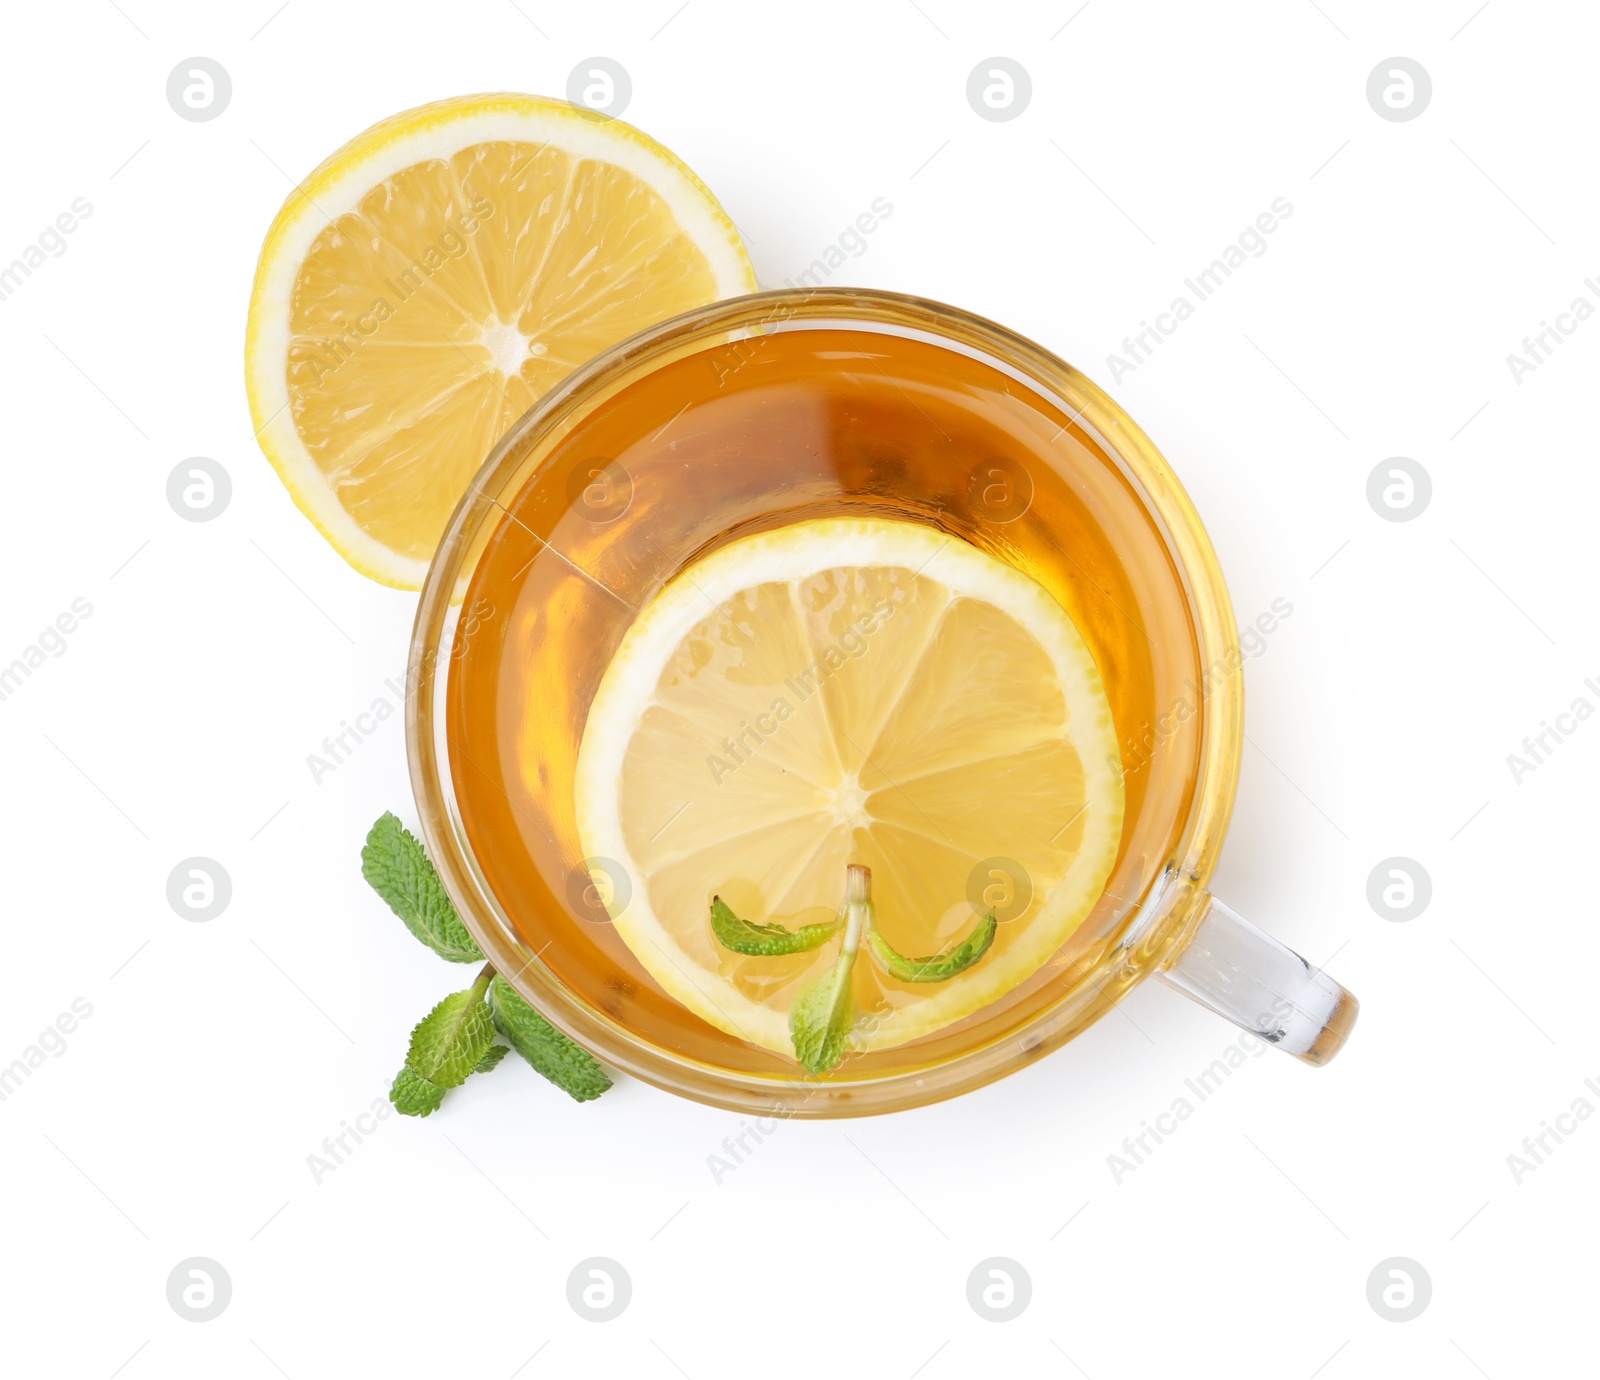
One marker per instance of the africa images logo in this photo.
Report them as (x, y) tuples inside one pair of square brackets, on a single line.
[(1251, 243)]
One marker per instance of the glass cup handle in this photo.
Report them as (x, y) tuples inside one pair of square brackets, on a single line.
[(1234, 969)]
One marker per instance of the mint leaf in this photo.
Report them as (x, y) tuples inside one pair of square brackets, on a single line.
[(492, 1056), (823, 1015), (569, 1066), (442, 1053), (450, 1040), (745, 937), (396, 867), (414, 1095), (937, 967), (456, 1038)]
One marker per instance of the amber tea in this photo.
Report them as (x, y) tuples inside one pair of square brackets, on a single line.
[(824, 698)]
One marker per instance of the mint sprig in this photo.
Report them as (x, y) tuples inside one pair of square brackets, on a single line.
[(456, 1039), (823, 1016)]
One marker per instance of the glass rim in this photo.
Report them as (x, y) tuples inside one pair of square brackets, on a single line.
[(1156, 929)]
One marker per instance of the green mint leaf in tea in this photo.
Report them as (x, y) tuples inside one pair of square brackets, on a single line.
[(937, 967), (745, 937)]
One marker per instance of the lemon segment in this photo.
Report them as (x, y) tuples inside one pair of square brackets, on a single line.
[(429, 281), (848, 691)]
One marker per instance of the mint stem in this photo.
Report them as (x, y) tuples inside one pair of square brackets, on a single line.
[(858, 905)]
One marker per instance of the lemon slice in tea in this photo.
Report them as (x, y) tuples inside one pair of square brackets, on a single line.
[(426, 283), (841, 692)]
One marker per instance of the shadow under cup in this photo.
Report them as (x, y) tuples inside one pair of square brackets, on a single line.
[(752, 414)]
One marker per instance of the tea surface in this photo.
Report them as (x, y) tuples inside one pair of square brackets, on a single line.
[(757, 434)]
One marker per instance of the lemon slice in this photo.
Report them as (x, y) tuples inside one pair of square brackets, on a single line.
[(422, 287), (842, 692)]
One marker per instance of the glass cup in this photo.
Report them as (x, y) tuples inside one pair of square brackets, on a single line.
[(528, 895)]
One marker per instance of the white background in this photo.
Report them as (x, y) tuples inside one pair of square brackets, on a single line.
[(179, 1119)]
